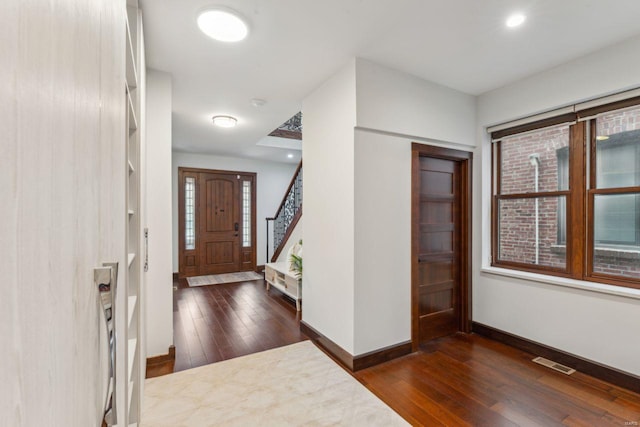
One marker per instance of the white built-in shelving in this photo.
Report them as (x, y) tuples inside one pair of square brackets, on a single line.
[(130, 416)]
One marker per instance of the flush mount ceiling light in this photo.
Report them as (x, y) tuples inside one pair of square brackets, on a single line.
[(224, 121), (515, 20), (602, 138), (223, 24)]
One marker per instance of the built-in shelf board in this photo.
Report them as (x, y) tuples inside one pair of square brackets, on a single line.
[(130, 394), (131, 350), (133, 122), (131, 169), (133, 300), (131, 75), (132, 256)]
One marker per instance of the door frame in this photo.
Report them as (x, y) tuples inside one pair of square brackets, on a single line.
[(181, 214), (464, 159)]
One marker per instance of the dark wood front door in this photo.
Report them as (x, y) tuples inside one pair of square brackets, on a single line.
[(217, 222), (219, 215), (440, 243)]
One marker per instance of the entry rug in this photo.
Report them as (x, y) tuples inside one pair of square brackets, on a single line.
[(296, 385), (217, 279)]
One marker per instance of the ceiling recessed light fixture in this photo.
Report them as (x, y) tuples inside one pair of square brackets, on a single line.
[(257, 102), (515, 20), (290, 156), (223, 24), (224, 121), (602, 138)]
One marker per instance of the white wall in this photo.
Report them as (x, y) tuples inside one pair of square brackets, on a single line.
[(159, 302), (589, 324), (382, 241), (328, 158), (395, 105), (62, 172), (396, 102), (272, 181), (360, 212)]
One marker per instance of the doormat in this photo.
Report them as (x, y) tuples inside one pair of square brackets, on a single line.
[(218, 279)]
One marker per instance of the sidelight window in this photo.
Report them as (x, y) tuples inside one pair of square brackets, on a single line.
[(189, 213), (246, 214)]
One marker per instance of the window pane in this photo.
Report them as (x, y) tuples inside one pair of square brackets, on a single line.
[(617, 233), (246, 214), (517, 233), (189, 213), (618, 149), (541, 150), (616, 219)]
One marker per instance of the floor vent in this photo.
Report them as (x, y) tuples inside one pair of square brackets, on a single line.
[(553, 365)]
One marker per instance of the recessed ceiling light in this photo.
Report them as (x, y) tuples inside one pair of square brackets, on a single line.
[(224, 121), (290, 156), (257, 102), (223, 25), (602, 138), (515, 20)]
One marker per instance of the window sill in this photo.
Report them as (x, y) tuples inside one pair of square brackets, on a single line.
[(561, 281)]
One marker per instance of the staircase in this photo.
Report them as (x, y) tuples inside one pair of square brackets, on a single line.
[(287, 215)]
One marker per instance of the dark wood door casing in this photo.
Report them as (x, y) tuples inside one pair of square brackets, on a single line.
[(441, 242), (218, 223)]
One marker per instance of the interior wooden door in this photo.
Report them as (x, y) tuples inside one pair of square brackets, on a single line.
[(218, 223), (441, 200)]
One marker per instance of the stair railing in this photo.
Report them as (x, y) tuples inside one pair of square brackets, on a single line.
[(287, 215)]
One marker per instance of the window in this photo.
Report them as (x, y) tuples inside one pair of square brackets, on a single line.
[(246, 214), (189, 213), (615, 194), (567, 195), (530, 197)]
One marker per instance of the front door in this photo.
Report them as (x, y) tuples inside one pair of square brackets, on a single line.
[(440, 271), (219, 215), (216, 222)]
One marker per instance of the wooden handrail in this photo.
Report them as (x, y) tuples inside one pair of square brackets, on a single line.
[(291, 189), (286, 193), (280, 247)]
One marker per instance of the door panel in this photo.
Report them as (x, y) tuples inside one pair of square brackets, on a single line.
[(221, 211), (220, 253), (218, 235), (438, 248)]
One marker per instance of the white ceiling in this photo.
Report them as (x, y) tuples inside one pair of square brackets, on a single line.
[(294, 45)]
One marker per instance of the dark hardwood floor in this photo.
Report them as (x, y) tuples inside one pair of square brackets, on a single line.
[(220, 322), (461, 380), (468, 380)]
